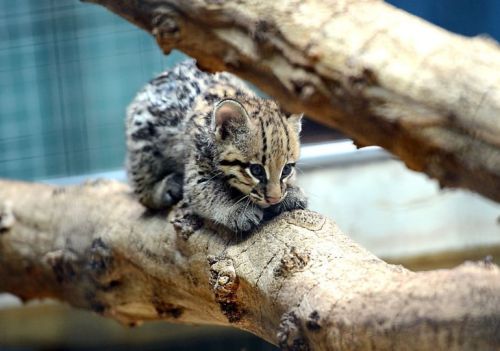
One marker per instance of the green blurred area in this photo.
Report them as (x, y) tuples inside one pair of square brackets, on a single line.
[(67, 72)]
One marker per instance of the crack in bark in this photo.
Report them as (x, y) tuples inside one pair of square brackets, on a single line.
[(264, 269)]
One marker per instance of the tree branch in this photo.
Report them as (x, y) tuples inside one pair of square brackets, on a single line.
[(298, 282), (380, 75)]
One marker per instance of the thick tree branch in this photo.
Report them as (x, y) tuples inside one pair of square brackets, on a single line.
[(297, 282), (382, 76)]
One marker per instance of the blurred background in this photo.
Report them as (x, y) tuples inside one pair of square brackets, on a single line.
[(67, 72)]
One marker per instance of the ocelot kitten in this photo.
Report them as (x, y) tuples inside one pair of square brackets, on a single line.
[(210, 139)]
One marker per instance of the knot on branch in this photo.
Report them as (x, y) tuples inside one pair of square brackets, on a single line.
[(290, 334), (266, 33), (302, 88), (59, 190), (165, 27), (291, 262), (313, 323), (100, 258), (100, 273), (92, 268), (100, 267), (166, 309), (97, 182), (225, 283), (7, 218), (487, 263), (186, 223), (366, 78), (232, 60), (63, 264)]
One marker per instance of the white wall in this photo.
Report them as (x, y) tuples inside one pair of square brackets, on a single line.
[(395, 212)]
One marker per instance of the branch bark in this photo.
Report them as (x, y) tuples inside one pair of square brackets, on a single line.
[(380, 75), (298, 282)]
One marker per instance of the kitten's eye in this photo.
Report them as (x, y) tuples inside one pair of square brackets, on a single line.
[(257, 170), (286, 170)]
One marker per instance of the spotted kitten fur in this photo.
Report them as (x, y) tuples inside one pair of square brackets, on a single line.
[(210, 139)]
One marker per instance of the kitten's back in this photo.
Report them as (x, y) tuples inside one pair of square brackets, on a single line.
[(157, 120)]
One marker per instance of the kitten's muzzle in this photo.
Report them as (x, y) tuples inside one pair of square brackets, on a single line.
[(272, 200)]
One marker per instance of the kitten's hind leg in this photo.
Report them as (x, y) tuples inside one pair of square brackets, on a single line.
[(169, 191)]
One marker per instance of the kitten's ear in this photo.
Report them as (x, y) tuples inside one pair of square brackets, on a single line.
[(228, 116), (295, 120)]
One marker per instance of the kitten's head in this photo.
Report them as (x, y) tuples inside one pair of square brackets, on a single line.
[(258, 146)]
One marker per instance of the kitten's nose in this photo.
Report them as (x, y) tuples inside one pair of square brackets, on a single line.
[(273, 200), (273, 195)]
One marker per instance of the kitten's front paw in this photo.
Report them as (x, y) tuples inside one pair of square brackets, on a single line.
[(246, 219)]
